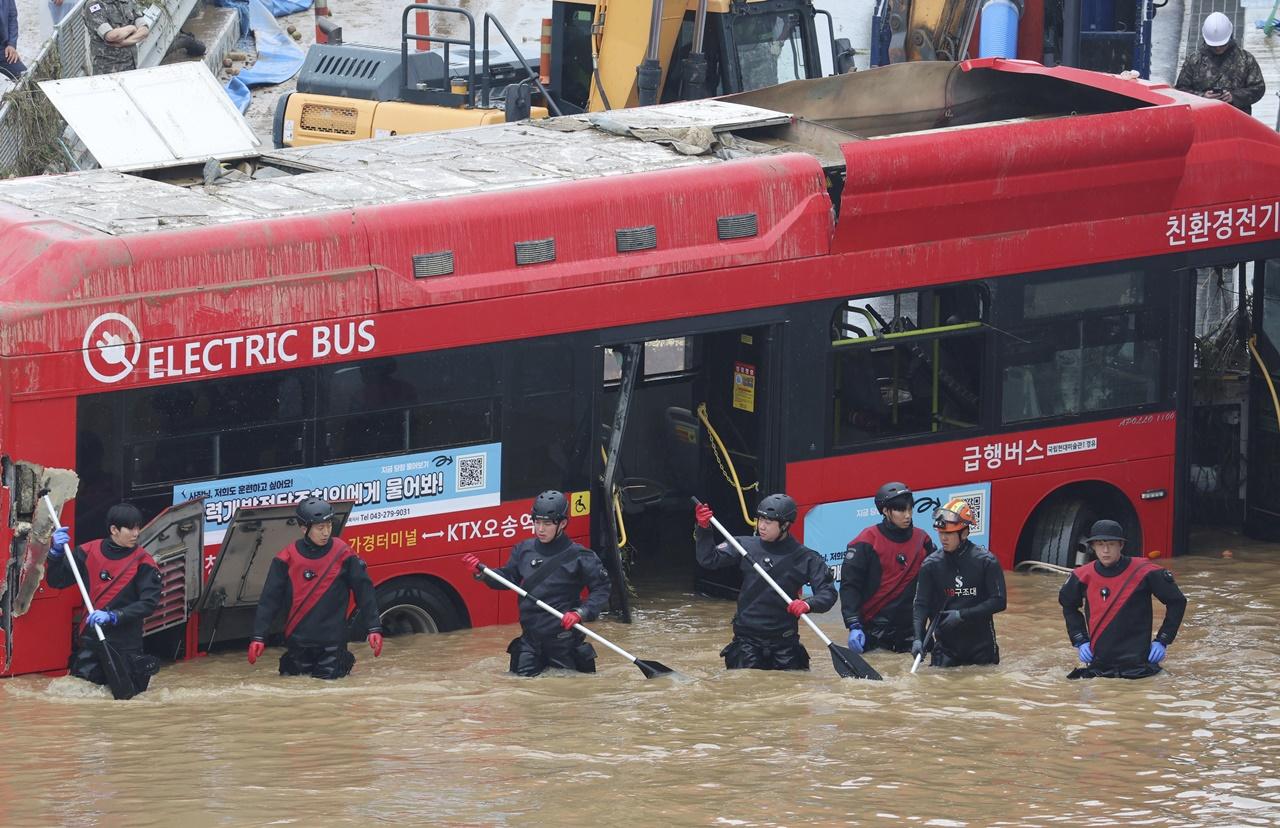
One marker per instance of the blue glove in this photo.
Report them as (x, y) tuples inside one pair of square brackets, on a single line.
[(61, 538), (948, 619), (857, 639), (102, 618), (1157, 653), (1086, 653)]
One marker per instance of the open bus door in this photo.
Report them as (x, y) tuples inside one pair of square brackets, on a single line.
[(175, 539), (681, 416), (1262, 491)]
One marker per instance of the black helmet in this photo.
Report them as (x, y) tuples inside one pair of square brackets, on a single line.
[(314, 510), (1105, 530), (551, 505), (777, 507), (893, 491)]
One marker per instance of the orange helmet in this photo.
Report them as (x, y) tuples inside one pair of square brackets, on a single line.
[(954, 516)]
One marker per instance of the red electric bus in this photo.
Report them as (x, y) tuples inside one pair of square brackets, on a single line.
[(977, 278)]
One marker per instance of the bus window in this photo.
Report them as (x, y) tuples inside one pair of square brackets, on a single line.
[(386, 405), (907, 364), (545, 445), (202, 429), (1081, 345), (667, 357)]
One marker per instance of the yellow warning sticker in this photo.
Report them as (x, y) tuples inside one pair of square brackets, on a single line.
[(744, 386), (579, 504)]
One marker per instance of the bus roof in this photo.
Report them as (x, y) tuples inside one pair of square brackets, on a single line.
[(886, 166), (523, 155)]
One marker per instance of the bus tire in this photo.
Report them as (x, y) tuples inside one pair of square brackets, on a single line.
[(416, 605), (1058, 530)]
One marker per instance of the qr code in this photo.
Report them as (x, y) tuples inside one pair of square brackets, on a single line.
[(470, 472), (978, 505)]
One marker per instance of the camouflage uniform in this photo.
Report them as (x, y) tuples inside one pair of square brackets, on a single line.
[(100, 17), (1233, 71)]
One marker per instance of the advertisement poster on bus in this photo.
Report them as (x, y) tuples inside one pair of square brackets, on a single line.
[(828, 528), (382, 489)]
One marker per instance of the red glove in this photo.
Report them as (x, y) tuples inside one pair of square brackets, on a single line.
[(471, 562), (255, 650), (798, 607), (375, 643), (703, 514), (570, 618)]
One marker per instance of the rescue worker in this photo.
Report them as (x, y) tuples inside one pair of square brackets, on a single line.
[(1113, 636), (960, 588), (765, 628), (554, 569), (313, 578), (124, 586), (1221, 69), (115, 27), (878, 576)]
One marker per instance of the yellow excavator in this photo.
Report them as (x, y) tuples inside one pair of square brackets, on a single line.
[(595, 56)]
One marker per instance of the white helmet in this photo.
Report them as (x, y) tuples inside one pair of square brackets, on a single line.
[(1217, 29)]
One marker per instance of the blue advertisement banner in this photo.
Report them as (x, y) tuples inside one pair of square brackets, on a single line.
[(828, 528), (384, 488)]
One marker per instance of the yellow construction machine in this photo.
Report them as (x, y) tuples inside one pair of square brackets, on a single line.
[(594, 56)]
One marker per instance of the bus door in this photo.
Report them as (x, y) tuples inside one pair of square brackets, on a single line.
[(1262, 467), (680, 416)]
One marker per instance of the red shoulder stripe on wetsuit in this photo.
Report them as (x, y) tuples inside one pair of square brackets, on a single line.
[(894, 577), (119, 572), (1102, 595), (307, 592)]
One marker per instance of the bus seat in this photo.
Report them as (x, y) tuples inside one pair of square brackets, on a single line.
[(636, 493), (682, 434), (1021, 400)]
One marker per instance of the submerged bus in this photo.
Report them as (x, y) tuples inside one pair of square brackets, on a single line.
[(976, 277)]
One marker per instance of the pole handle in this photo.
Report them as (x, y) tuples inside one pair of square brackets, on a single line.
[(557, 613), (75, 570)]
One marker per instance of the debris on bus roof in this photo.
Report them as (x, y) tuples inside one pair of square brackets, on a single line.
[(819, 118)]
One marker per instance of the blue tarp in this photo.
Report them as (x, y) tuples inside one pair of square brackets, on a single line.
[(279, 58)]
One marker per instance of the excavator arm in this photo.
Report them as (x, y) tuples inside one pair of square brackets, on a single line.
[(928, 29)]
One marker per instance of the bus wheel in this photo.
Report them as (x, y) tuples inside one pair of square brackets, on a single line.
[(1058, 530), (416, 606)]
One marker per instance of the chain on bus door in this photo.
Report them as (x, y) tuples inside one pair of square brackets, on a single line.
[(735, 423)]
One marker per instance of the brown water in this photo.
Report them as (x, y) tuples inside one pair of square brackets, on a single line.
[(435, 732)]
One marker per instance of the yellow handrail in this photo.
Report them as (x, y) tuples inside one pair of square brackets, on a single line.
[(617, 505), (1266, 375), (719, 451)]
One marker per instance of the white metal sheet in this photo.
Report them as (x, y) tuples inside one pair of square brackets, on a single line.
[(152, 117)]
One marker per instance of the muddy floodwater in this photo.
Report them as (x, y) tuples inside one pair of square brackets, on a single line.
[(435, 732)]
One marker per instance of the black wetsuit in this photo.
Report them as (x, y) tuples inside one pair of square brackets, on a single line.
[(765, 635), (969, 580), (132, 603), (1117, 601), (878, 583), (314, 584), (554, 573)]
